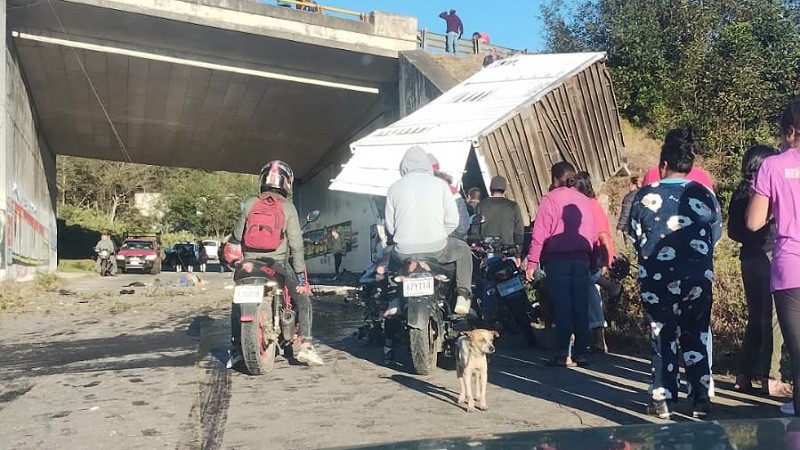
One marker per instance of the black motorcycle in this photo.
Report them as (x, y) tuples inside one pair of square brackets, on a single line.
[(426, 290), (504, 300)]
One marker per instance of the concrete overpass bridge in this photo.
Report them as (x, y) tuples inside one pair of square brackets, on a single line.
[(207, 84), (212, 84)]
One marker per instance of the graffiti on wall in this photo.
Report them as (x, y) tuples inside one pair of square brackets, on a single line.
[(316, 241), (2, 239), (27, 240)]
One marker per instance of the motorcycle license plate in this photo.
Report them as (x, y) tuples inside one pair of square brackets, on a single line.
[(418, 287), (248, 294), (508, 287)]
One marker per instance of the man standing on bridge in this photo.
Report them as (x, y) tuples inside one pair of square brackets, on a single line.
[(454, 30)]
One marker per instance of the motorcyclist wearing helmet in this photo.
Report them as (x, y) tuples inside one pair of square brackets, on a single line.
[(277, 179)]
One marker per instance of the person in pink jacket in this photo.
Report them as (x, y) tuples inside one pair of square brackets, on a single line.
[(564, 233)]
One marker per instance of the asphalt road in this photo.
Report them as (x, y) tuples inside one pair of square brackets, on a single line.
[(98, 369)]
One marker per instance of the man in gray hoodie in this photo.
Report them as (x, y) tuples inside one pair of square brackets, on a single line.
[(421, 215)]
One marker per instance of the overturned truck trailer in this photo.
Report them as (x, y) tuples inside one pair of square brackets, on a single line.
[(514, 118)]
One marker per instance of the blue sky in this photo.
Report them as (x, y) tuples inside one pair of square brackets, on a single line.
[(510, 23)]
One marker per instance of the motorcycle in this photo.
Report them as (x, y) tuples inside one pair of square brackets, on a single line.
[(106, 263), (504, 300), (267, 319), (427, 315)]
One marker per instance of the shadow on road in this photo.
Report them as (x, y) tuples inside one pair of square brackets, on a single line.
[(429, 389)]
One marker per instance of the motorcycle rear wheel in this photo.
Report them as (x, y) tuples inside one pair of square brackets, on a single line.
[(423, 349), (259, 355)]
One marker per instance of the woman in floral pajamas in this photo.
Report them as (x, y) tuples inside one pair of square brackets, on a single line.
[(675, 224)]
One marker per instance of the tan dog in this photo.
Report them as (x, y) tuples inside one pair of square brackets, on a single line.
[(473, 346)]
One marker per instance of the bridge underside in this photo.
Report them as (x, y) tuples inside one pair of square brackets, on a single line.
[(185, 94)]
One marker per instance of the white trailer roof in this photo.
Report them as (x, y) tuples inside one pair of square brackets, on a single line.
[(448, 126)]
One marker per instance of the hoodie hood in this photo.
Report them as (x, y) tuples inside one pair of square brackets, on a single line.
[(415, 161)]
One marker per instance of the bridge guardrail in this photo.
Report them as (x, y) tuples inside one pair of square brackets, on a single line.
[(430, 41), (320, 9)]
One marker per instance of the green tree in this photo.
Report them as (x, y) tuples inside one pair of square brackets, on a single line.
[(206, 204), (726, 66)]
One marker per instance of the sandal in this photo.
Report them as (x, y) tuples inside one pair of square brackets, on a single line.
[(561, 361)]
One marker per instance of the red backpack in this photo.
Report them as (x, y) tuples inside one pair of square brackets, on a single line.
[(264, 227)]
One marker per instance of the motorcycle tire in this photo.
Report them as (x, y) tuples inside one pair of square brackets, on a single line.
[(259, 356), (423, 349)]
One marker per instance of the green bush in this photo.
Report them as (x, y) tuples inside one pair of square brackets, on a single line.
[(728, 313), (76, 265), (47, 281)]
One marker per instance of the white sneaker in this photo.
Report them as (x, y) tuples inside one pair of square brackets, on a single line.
[(788, 408), (394, 307), (234, 358), (462, 306)]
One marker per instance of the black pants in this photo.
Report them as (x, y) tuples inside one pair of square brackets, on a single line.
[(787, 304), (301, 301), (761, 348), (337, 261)]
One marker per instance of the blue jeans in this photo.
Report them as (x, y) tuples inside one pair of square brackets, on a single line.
[(596, 317), (451, 42), (568, 282)]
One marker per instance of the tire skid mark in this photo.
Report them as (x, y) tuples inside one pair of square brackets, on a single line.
[(209, 412)]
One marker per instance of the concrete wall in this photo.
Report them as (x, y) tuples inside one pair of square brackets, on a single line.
[(361, 211), (27, 182), (421, 80)]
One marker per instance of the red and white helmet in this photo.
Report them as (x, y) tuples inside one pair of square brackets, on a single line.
[(277, 175)]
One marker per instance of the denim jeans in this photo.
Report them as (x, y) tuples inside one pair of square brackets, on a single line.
[(451, 42), (596, 317), (568, 282)]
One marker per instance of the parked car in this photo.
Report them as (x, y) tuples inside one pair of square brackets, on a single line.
[(141, 254), (212, 249)]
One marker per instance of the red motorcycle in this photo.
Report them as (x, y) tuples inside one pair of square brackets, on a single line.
[(263, 309)]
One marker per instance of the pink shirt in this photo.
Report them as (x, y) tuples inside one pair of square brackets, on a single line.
[(779, 180), (696, 174), (603, 226), (564, 227)]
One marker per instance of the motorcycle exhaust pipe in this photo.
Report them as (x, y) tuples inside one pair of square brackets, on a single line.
[(287, 324)]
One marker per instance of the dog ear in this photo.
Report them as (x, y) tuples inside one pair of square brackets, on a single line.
[(495, 334), (468, 334)]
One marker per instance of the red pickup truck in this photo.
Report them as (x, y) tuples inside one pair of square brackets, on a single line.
[(141, 254)]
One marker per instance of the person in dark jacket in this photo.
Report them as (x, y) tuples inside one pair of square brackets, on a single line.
[(503, 216), (474, 196), (627, 202), (761, 347), (337, 248), (455, 29)]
